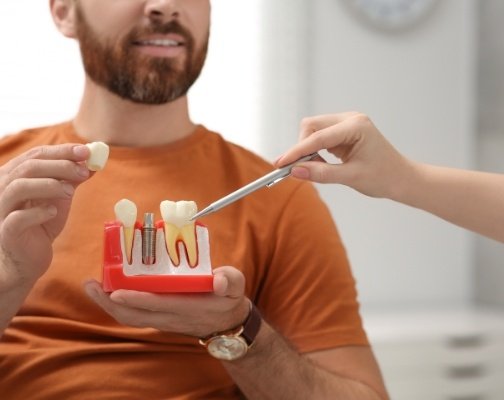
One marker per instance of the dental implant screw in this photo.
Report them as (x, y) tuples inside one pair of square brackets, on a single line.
[(148, 239)]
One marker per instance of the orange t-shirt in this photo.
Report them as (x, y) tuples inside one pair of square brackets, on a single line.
[(61, 345)]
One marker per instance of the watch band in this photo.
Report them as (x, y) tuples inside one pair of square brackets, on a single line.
[(252, 325), (248, 330)]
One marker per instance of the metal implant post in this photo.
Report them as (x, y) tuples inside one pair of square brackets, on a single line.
[(149, 239)]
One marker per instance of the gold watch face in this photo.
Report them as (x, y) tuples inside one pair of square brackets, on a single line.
[(227, 347)]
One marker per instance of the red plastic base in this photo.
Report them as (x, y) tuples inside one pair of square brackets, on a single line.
[(114, 278)]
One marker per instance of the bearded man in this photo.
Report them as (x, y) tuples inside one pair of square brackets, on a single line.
[(282, 282)]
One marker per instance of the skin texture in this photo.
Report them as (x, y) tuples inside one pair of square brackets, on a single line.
[(272, 369), (372, 166)]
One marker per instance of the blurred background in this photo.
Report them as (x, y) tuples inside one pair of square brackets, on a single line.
[(431, 293)]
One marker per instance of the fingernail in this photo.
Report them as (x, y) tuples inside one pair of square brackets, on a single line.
[(68, 189), (80, 150), (300, 172)]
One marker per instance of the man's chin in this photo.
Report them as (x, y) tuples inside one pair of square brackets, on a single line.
[(150, 98), (152, 93)]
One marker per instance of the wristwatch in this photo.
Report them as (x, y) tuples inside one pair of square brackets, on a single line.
[(234, 344)]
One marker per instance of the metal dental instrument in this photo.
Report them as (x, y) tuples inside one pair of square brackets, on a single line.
[(267, 180)]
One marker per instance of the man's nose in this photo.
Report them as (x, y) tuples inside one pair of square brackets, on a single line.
[(162, 10)]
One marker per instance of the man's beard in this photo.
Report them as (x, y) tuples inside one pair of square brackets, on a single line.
[(121, 69)]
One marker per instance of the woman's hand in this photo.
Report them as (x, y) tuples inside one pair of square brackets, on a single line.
[(369, 163)]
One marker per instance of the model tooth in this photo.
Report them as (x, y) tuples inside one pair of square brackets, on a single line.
[(168, 209), (178, 213), (98, 157), (178, 227), (126, 213)]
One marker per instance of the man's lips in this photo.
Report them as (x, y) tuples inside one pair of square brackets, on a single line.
[(158, 42), (171, 39), (161, 46)]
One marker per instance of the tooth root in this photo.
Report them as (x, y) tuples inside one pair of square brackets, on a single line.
[(188, 234), (126, 213), (171, 235), (128, 241)]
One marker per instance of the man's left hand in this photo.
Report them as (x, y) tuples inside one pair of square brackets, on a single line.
[(194, 314)]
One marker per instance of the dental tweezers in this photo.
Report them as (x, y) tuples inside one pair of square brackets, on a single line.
[(267, 180)]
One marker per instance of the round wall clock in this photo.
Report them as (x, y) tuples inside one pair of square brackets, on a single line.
[(392, 14)]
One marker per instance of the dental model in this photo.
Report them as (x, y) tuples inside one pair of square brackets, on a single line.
[(169, 255), (99, 156), (126, 213)]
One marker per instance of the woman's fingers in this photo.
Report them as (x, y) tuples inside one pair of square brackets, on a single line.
[(321, 172), (314, 124), (335, 138)]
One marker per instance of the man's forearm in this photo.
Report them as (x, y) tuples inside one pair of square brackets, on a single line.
[(273, 370)]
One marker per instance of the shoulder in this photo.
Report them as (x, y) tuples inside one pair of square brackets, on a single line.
[(12, 145), (230, 153), (238, 161), (243, 166)]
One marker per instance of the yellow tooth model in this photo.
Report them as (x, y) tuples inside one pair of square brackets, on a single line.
[(178, 228)]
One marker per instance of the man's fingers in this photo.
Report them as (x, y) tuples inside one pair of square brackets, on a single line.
[(122, 313), (56, 169), (94, 291), (229, 282), (19, 221), (20, 191), (69, 151), (159, 302)]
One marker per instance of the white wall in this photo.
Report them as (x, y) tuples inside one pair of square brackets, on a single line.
[(40, 79), (418, 86), (226, 97), (489, 273)]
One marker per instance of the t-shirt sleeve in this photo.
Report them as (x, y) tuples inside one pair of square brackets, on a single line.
[(308, 293)]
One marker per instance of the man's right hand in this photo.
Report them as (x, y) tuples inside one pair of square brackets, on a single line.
[(36, 191)]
